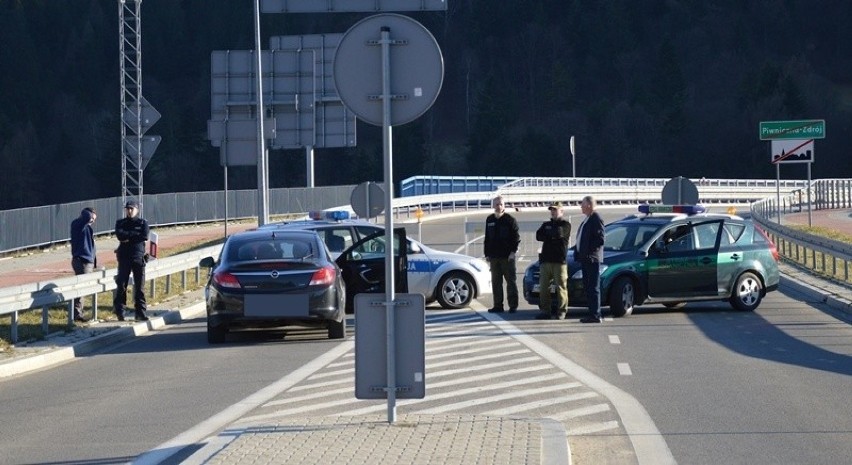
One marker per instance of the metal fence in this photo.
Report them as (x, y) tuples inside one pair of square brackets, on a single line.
[(38, 226), (827, 257)]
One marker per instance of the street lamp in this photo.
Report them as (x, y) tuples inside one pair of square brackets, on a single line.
[(573, 161)]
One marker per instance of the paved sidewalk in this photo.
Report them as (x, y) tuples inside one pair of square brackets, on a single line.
[(412, 439)]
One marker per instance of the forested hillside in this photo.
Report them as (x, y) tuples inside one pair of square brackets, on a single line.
[(650, 88)]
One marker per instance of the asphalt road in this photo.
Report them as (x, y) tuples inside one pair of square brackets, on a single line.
[(719, 386)]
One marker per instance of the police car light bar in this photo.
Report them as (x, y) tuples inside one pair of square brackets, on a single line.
[(688, 209), (333, 215)]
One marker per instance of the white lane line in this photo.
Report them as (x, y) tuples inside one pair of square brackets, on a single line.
[(614, 339), (295, 410), (523, 351), (480, 367), (443, 329), (506, 396), (442, 321), (329, 374), (580, 412), (197, 434), (459, 392), (450, 316), (624, 369), (464, 333), (467, 344), (543, 403), (592, 428), (650, 446), (312, 396), (334, 382), (457, 353), (487, 376)]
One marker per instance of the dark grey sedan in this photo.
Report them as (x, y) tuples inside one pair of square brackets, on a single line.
[(273, 278)]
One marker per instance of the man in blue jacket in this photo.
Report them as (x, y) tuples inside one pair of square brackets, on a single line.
[(132, 234), (83, 254)]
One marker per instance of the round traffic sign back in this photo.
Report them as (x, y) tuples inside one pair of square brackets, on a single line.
[(680, 191), (416, 69)]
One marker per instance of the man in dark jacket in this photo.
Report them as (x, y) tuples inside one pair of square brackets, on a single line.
[(590, 242), (501, 245), (554, 236), (132, 234), (83, 254)]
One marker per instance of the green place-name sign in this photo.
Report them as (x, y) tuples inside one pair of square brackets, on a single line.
[(805, 129)]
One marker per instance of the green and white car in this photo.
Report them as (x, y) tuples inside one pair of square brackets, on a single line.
[(669, 258)]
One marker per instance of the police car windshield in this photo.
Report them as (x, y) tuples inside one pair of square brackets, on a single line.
[(629, 236)]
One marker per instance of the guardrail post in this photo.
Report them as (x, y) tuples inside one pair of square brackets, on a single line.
[(45, 316), (13, 333), (168, 284), (94, 306)]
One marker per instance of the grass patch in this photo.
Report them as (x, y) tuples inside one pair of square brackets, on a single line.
[(824, 232)]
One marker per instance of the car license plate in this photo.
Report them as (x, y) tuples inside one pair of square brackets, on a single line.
[(276, 305)]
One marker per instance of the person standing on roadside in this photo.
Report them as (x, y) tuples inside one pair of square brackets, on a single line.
[(84, 257), (501, 246), (589, 252), (554, 235), (132, 234)]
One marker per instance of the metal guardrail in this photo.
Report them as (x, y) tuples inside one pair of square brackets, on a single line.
[(44, 295), (822, 255)]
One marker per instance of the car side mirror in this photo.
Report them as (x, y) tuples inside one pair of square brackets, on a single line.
[(414, 248), (207, 262)]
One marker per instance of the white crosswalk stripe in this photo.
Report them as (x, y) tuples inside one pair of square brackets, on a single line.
[(472, 366)]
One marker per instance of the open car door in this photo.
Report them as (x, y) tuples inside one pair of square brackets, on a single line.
[(363, 265)]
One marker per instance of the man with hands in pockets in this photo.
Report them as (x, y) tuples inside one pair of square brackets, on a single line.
[(501, 246)]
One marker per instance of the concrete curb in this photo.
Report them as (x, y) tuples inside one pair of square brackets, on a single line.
[(554, 443), (834, 301), (54, 356)]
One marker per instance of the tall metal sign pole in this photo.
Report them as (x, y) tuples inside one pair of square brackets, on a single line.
[(137, 115), (410, 70), (262, 156)]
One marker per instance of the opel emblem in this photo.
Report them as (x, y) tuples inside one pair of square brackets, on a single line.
[(274, 274)]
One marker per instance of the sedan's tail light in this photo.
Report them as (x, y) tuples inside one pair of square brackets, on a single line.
[(226, 280), (324, 275)]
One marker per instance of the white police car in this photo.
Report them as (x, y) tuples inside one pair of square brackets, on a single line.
[(451, 279)]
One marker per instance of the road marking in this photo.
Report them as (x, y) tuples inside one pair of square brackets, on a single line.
[(648, 443), (580, 412), (624, 369), (198, 434), (592, 428), (614, 340), (506, 396), (542, 403)]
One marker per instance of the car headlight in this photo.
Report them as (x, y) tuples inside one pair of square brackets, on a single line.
[(579, 273)]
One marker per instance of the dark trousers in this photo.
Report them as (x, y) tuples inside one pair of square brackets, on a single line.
[(592, 286), (125, 267), (80, 266), (504, 269)]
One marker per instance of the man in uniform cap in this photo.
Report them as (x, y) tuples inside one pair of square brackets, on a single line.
[(554, 235), (132, 234)]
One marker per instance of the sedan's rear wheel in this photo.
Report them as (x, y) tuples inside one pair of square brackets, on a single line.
[(455, 290), (216, 334), (747, 293), (337, 329), (622, 297)]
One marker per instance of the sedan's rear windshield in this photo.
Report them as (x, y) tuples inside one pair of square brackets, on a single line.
[(267, 249)]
